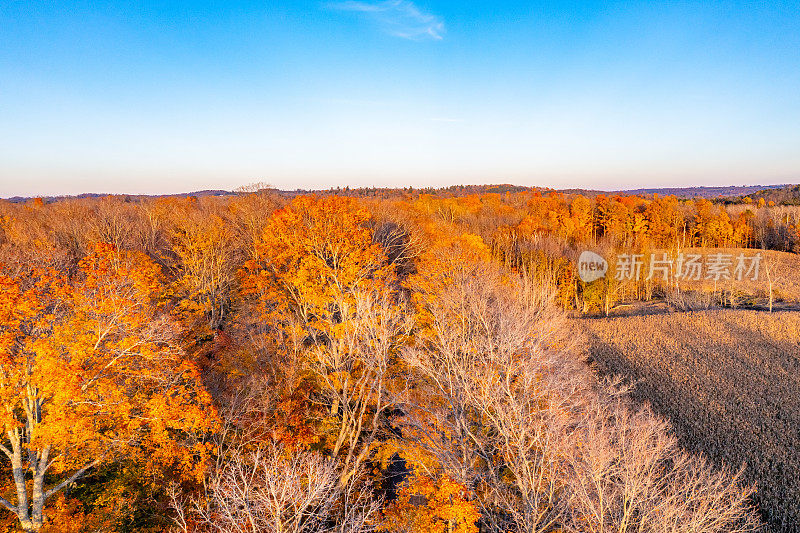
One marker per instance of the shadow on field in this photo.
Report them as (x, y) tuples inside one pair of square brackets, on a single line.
[(728, 380), (660, 307)]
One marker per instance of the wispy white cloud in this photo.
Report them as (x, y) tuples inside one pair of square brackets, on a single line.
[(397, 17)]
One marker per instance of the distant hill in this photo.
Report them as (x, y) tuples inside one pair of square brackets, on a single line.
[(705, 192), (786, 195), (48, 199), (780, 194), (730, 191), (719, 192)]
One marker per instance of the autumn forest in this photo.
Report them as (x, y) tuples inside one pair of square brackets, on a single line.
[(391, 361)]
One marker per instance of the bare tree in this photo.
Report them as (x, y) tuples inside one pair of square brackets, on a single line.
[(353, 370), (494, 354), (272, 490), (520, 419), (629, 474)]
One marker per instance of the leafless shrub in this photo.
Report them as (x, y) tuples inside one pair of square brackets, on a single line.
[(688, 300)]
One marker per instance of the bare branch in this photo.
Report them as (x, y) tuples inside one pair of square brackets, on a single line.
[(71, 479)]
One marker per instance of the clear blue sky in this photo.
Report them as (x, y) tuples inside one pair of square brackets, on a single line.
[(145, 96)]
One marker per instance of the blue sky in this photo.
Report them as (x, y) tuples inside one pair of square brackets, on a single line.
[(152, 97)]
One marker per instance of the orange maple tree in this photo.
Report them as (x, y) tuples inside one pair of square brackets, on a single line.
[(89, 372), (436, 505), (323, 284), (315, 254)]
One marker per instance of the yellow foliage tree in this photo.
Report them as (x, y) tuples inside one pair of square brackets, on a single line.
[(89, 372), (433, 505), (321, 280)]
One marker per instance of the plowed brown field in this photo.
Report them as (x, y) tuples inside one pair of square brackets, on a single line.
[(729, 380)]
